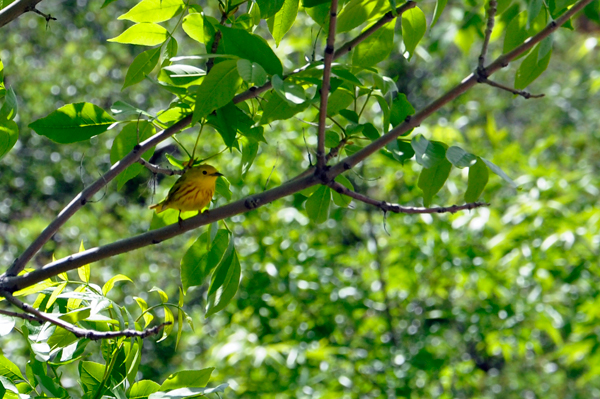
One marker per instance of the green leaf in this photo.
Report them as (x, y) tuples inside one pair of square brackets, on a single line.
[(313, 3), (193, 25), (9, 133), (187, 379), (172, 48), (460, 158), (154, 10), (57, 291), (432, 179), (545, 47), (516, 32), (533, 9), (222, 188), (268, 8), (293, 93), (478, 178), (141, 66), (346, 75), (370, 131), (332, 139), (91, 375), (401, 150), (224, 285), (217, 89), (499, 172), (276, 108), (84, 272), (132, 134), (341, 199), (357, 12), (163, 295), (249, 152), (9, 109), (143, 34), (61, 338), (401, 108), (439, 9), (317, 205), (9, 370), (142, 389), (351, 115), (111, 283), (251, 47), (170, 320), (320, 14), (280, 23), (339, 100), (531, 68), (414, 26), (198, 261), (76, 315), (181, 75), (73, 122), (428, 153), (122, 108), (375, 48), (251, 72)]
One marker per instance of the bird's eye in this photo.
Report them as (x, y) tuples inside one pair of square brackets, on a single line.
[(204, 172)]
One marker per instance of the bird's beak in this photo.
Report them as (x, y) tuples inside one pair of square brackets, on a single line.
[(218, 174)]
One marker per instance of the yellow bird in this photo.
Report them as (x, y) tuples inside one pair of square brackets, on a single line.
[(192, 191)]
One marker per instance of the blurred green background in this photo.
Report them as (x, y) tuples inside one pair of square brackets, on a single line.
[(496, 302)]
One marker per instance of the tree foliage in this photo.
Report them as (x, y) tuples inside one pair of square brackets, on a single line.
[(306, 289)]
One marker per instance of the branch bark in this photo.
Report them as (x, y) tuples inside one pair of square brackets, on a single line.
[(15, 9), (10, 282), (77, 331), (329, 50)]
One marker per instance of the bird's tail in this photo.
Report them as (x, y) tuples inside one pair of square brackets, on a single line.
[(158, 207)]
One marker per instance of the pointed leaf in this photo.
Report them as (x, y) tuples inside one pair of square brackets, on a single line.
[(73, 122), (428, 153), (281, 22), (414, 26), (154, 10), (141, 66), (251, 47), (431, 180), (187, 379), (143, 34), (375, 48), (478, 178), (225, 283), (9, 133), (193, 25), (499, 172), (460, 158), (317, 205), (217, 89)]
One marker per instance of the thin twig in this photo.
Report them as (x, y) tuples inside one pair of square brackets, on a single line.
[(488, 33), (11, 282), (521, 93), (15, 9), (157, 169), (77, 331), (345, 49), (329, 50), (24, 316), (215, 44), (387, 207)]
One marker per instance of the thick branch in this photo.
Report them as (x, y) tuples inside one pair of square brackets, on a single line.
[(488, 33), (82, 198), (470, 81), (329, 49), (15, 283), (14, 10), (387, 207), (77, 331), (12, 283)]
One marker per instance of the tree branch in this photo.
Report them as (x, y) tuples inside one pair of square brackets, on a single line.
[(254, 92), (15, 283), (82, 198), (11, 283), (77, 331), (157, 169), (521, 93), (23, 316), (15, 9), (488, 33), (467, 83), (387, 207), (329, 50)]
